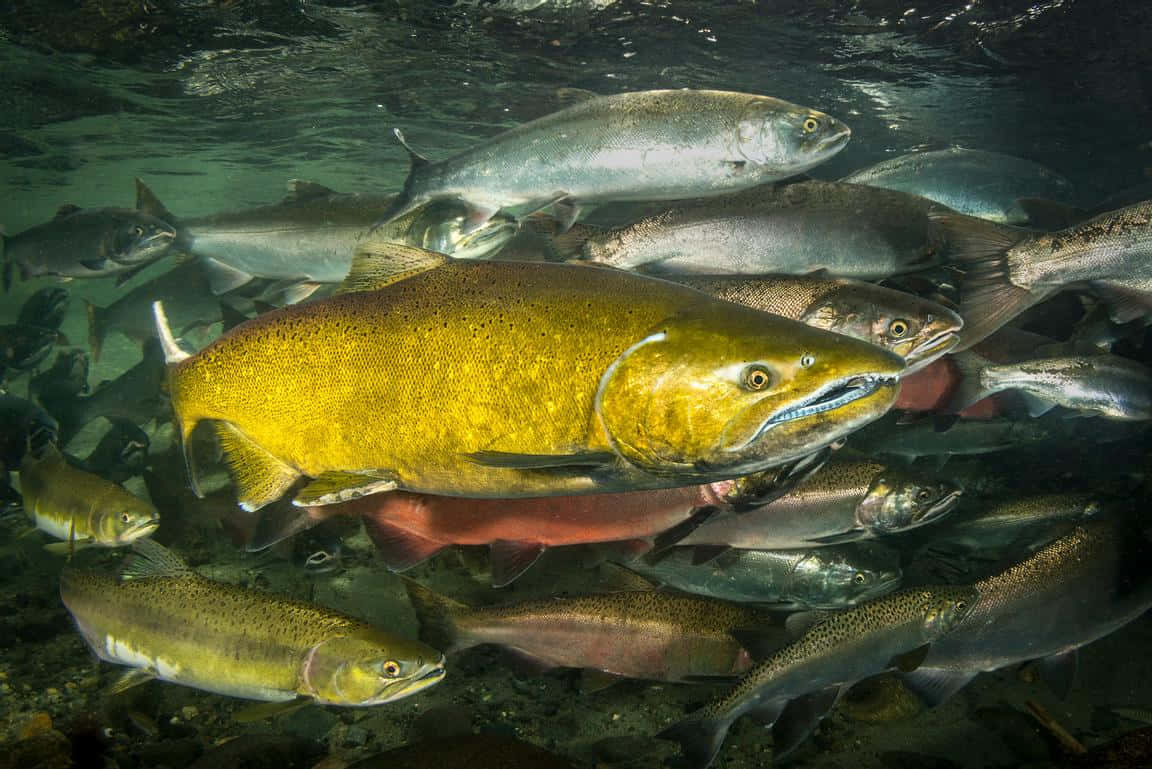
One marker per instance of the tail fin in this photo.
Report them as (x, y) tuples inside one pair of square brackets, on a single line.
[(700, 739), (988, 297), (406, 200), (970, 385), (437, 615), (97, 328)]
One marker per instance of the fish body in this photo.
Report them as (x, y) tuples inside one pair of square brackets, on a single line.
[(809, 673), (635, 634), (1069, 593), (918, 330), (66, 379), (984, 184), (509, 379), (844, 501), (46, 308), (136, 395), (926, 437), (168, 622), (187, 297), (1095, 385), (310, 237), (850, 231), (23, 424), (24, 347), (88, 243), (1006, 522), (409, 528), (819, 578), (78, 506), (1007, 270), (647, 145)]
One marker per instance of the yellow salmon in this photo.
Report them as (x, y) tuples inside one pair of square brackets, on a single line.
[(166, 621), (517, 379), (79, 506)]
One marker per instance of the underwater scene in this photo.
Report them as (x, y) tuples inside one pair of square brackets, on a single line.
[(586, 384)]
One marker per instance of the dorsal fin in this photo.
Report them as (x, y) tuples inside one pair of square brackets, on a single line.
[(376, 265), (148, 203), (300, 190), (415, 159), (151, 559), (172, 350), (570, 97), (66, 210)]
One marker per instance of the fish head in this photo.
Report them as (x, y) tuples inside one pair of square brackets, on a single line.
[(369, 667), (788, 138), (23, 347), (444, 226), (943, 608), (126, 522), (918, 330), (722, 390), (898, 501), (836, 577), (138, 238)]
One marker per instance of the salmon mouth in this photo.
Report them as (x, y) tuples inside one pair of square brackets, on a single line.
[(940, 508), (832, 396), (928, 351)]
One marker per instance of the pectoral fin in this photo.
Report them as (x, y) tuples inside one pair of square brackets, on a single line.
[(376, 265), (911, 660), (260, 478), (332, 487), (592, 681), (399, 548), (854, 535), (512, 558), (513, 461), (131, 679), (935, 686)]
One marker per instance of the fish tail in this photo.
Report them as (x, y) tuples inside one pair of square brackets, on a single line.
[(700, 739), (438, 617), (988, 297), (971, 386), (406, 200), (97, 328)]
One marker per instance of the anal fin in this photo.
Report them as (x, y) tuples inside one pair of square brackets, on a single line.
[(264, 710), (799, 719), (260, 478), (935, 686), (223, 278), (131, 679)]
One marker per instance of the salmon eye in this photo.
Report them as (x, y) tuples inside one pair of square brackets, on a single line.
[(810, 124), (138, 230), (898, 327), (807, 359), (391, 668), (923, 495), (756, 378), (961, 605), (125, 518), (859, 578)]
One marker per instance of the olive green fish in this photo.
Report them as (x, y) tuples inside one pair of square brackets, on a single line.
[(165, 621), (80, 507), (793, 689), (513, 379)]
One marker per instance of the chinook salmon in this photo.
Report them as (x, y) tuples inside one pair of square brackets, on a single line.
[(79, 507), (792, 690), (165, 621), (848, 230), (308, 239), (515, 379), (634, 634), (647, 145)]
